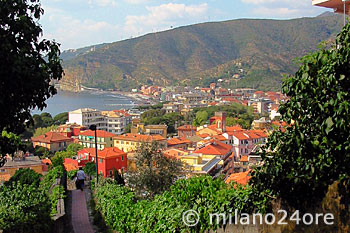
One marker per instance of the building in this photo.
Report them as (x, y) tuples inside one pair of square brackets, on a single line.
[(130, 142), (186, 131), (179, 142), (244, 141), (53, 141), (12, 165), (71, 129), (115, 122), (110, 121), (172, 107), (156, 129), (262, 123), (104, 139), (216, 149), (196, 164), (87, 117), (108, 159)]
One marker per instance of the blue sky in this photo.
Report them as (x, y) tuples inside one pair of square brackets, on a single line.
[(79, 23)]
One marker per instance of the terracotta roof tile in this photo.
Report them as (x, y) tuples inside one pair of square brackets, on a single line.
[(240, 178), (109, 152), (215, 148), (51, 137), (244, 158)]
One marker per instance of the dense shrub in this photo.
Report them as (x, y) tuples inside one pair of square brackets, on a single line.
[(25, 176), (124, 213), (24, 208)]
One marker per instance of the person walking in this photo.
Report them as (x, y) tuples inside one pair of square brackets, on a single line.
[(80, 179)]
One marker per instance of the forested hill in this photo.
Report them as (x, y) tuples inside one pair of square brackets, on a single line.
[(257, 52)]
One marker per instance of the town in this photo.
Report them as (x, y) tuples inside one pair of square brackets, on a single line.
[(215, 146)]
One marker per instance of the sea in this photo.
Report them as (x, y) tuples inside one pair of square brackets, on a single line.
[(65, 101)]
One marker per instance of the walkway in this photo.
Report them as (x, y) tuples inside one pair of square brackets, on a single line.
[(80, 217)]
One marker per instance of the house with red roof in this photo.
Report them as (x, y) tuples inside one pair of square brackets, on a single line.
[(215, 149), (186, 131), (241, 178), (104, 139), (53, 141), (179, 142), (244, 141), (108, 159)]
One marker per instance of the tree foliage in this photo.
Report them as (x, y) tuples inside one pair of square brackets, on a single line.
[(24, 208), (201, 118), (124, 212), (25, 176), (74, 147), (314, 151), (28, 64), (155, 172)]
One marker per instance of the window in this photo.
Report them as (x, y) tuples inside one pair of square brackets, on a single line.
[(2, 170), (110, 172), (100, 160), (122, 157), (244, 163)]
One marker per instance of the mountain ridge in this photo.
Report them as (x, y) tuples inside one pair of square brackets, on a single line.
[(199, 54)]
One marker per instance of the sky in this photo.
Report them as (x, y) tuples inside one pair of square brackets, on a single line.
[(79, 23)]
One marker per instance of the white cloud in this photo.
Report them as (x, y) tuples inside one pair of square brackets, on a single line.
[(281, 8), (136, 1), (74, 33), (103, 3), (165, 15)]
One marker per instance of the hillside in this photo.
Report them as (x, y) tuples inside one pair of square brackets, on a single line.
[(260, 52)]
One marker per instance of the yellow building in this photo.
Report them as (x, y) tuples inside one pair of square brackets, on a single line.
[(195, 163), (53, 141), (131, 141)]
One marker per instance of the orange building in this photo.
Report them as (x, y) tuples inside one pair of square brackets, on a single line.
[(108, 159)]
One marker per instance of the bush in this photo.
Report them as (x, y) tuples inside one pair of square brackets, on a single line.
[(24, 208), (123, 212), (71, 174), (25, 176)]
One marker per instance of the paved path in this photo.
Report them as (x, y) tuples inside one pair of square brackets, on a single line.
[(80, 217)]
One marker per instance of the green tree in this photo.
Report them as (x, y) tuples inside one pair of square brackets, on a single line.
[(42, 152), (314, 151), (9, 143), (74, 147), (25, 176), (61, 118), (90, 168), (201, 118), (59, 157), (155, 172), (41, 131), (24, 208), (28, 65)]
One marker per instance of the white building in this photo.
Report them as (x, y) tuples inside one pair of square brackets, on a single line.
[(109, 121)]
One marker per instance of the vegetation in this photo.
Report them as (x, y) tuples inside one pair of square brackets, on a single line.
[(90, 168), (158, 116), (123, 212), (25, 176), (155, 172), (265, 49), (29, 72), (40, 131), (314, 151), (24, 208)]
